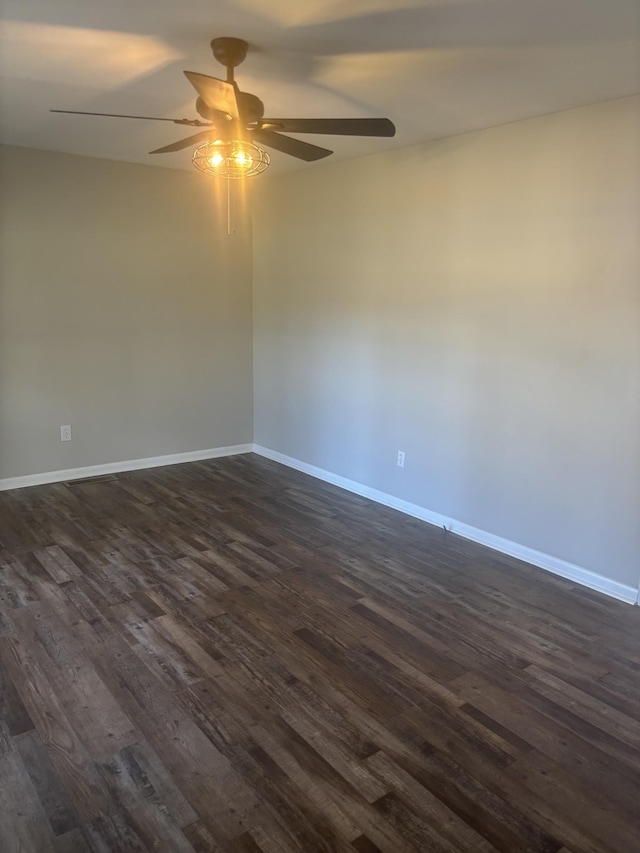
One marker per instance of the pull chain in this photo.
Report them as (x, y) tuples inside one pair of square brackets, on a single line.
[(228, 207)]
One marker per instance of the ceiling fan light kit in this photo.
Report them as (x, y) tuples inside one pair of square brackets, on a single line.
[(234, 159), (234, 122)]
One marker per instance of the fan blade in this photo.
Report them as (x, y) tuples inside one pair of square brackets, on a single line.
[(191, 122), (337, 126), (294, 147), (217, 94), (183, 143)]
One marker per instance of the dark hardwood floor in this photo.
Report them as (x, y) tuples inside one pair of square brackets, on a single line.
[(231, 656)]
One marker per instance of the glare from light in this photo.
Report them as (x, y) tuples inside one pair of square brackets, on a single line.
[(34, 51), (289, 14)]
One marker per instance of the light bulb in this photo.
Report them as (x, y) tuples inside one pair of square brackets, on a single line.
[(216, 160)]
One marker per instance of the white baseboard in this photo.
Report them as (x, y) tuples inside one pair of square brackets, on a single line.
[(564, 569), (117, 467)]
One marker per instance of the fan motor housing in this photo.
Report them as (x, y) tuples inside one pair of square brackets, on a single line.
[(251, 109), (205, 111)]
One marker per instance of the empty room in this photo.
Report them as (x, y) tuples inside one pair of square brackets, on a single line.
[(320, 426)]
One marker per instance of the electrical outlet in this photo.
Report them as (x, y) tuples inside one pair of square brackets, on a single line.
[(65, 433), (400, 462)]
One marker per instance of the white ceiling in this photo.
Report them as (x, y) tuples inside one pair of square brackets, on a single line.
[(434, 67)]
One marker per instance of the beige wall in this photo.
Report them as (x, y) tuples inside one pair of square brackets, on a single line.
[(475, 303), (125, 311)]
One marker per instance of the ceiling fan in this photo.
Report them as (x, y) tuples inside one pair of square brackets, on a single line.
[(234, 122)]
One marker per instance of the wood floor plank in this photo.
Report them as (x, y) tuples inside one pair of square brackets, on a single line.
[(12, 710), (87, 703), (217, 793), (71, 842), (230, 657), (140, 807), (593, 710), (66, 750), (592, 808), (47, 784), (23, 824), (447, 831), (556, 740)]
